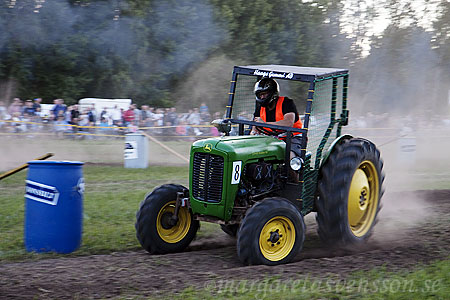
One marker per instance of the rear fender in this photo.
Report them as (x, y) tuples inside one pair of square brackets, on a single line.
[(333, 145)]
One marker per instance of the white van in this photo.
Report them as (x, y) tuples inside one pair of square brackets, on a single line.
[(46, 111), (99, 104)]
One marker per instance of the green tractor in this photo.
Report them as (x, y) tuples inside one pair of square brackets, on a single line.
[(242, 181)]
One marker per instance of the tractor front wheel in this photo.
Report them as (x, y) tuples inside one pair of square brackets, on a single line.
[(271, 233), (156, 230)]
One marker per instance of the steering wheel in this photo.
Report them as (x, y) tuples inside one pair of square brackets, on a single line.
[(271, 132)]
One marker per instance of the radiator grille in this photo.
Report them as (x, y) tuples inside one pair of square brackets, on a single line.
[(207, 177)]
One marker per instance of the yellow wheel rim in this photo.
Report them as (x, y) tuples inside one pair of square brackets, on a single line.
[(363, 198), (277, 238), (173, 234)]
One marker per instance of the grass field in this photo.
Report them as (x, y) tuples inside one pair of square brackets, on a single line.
[(111, 200), (424, 282), (113, 195)]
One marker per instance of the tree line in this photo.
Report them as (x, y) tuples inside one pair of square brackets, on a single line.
[(179, 52)]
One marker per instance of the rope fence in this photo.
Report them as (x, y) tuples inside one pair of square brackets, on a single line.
[(31, 129)]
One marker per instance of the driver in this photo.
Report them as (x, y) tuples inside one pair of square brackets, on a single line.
[(273, 109)]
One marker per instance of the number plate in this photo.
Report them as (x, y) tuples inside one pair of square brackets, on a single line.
[(236, 172)]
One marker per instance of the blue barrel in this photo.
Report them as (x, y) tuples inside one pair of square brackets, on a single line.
[(54, 206)]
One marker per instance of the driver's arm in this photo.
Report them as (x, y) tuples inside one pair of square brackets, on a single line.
[(288, 120), (254, 130), (256, 117)]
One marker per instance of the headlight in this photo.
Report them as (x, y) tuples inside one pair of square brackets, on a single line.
[(296, 163)]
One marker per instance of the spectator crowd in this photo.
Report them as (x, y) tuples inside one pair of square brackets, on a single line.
[(62, 120), (28, 117)]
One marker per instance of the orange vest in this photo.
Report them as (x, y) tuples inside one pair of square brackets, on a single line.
[(279, 114)]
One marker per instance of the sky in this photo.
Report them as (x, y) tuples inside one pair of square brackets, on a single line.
[(425, 12)]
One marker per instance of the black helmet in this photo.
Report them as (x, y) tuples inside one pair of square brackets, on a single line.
[(266, 85)]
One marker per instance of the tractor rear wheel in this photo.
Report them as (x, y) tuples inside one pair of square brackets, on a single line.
[(271, 233), (154, 227), (350, 190)]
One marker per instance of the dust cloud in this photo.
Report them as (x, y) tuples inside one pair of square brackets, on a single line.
[(400, 213), (417, 162), (211, 81), (399, 98), (17, 151)]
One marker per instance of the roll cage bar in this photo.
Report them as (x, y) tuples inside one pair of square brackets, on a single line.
[(303, 74)]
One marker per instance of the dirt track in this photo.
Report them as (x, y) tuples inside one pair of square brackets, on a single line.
[(413, 229)]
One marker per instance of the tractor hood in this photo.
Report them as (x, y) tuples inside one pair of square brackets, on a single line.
[(243, 148), (216, 165)]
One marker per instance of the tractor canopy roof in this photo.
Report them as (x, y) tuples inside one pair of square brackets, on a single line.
[(290, 72)]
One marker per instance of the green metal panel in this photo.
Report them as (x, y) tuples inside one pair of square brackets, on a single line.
[(251, 148), (246, 149), (335, 142)]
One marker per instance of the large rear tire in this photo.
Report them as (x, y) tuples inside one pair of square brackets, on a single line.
[(350, 191), (153, 228), (271, 233)]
